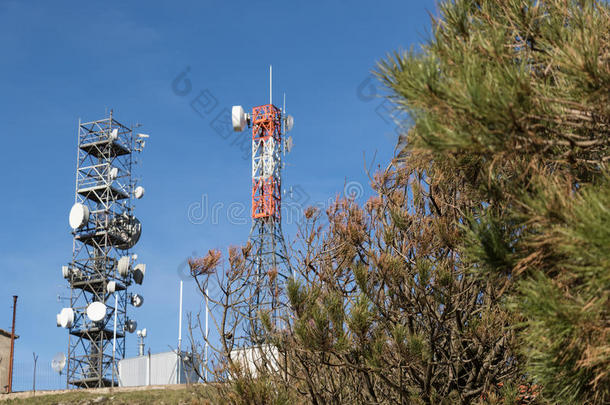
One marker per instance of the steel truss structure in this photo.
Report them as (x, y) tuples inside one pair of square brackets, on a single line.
[(269, 256), (105, 185)]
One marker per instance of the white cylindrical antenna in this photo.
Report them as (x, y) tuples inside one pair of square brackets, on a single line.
[(270, 84), (179, 359), (116, 310), (205, 354), (284, 126), (180, 321)]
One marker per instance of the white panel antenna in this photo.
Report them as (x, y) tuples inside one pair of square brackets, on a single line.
[(239, 118), (123, 266)]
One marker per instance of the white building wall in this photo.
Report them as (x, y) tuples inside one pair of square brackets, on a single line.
[(154, 369)]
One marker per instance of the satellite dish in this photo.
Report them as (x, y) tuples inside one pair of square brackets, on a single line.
[(138, 273), (289, 144), (238, 118), (96, 311), (114, 134), (127, 228), (131, 325), (111, 287), (138, 192), (114, 173), (137, 300), (289, 123), (65, 271), (66, 318), (59, 362), (123, 266), (79, 216)]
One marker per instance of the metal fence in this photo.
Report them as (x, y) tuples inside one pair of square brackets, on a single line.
[(46, 377), (159, 368)]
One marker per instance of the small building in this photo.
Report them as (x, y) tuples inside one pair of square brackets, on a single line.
[(253, 360), (158, 369), (5, 356)]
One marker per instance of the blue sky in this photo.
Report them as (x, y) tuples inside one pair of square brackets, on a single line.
[(62, 61)]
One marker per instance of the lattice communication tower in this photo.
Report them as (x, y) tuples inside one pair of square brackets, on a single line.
[(268, 255), (103, 267)]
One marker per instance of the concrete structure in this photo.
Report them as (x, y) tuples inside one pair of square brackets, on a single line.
[(157, 369), (5, 354)]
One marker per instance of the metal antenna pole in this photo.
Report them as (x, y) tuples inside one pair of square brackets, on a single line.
[(180, 320), (116, 307), (270, 84), (34, 381), (179, 335), (10, 366), (205, 354), (284, 128)]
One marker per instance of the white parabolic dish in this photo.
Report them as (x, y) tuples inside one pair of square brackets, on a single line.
[(59, 362), (138, 192), (138, 273), (66, 317), (137, 300), (79, 215), (96, 311), (289, 123), (131, 325)]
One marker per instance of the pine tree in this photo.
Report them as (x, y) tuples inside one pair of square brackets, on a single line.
[(511, 101)]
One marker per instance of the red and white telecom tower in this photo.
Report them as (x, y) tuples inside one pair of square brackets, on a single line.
[(269, 254)]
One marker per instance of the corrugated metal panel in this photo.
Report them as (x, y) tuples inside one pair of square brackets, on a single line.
[(132, 372), (163, 368), (154, 369)]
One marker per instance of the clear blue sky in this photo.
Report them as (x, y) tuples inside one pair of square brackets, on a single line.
[(62, 61)]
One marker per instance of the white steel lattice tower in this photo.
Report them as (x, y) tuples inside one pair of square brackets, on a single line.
[(102, 266)]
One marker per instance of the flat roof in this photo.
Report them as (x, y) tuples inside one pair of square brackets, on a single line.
[(7, 334)]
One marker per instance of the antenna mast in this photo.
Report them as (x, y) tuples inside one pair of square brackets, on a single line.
[(269, 256), (102, 268)]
